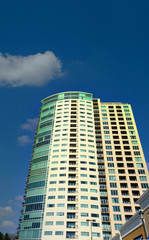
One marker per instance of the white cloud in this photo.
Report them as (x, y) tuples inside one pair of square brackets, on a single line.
[(31, 70), (30, 124), (19, 198), (7, 223), (5, 211), (23, 140)]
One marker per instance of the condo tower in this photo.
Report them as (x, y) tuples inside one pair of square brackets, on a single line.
[(86, 172)]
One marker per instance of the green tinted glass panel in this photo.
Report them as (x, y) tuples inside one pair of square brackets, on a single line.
[(37, 178), (40, 159), (35, 192), (38, 171)]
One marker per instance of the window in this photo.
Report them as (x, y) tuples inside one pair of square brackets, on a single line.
[(50, 205), (117, 217), (84, 197), (53, 175), (50, 214), (84, 190), (112, 178), (141, 171), (93, 190), (114, 192), (108, 147), (94, 206), (59, 233), (116, 209), (109, 152), (110, 164), (94, 234), (55, 156), (83, 175), (94, 215), (111, 170), (109, 158), (84, 224), (144, 185), (139, 165), (84, 205), (113, 185), (107, 137), (134, 142), (135, 147), (52, 189), (60, 213), (137, 153), (117, 226), (62, 174), (51, 197), (52, 182), (115, 200), (61, 189), (85, 234), (48, 233), (138, 159), (83, 182), (59, 223), (106, 132), (94, 198), (61, 197), (48, 223), (62, 182), (143, 178), (84, 214)]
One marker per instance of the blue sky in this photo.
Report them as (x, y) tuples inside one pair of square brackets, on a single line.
[(53, 46)]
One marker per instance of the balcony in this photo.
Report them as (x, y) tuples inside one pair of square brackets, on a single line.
[(72, 156), (99, 145), (71, 237), (73, 190), (71, 215), (134, 185), (72, 163), (101, 173), (106, 228), (104, 209), (105, 219), (99, 155), (102, 179), (72, 169), (72, 199), (102, 186), (72, 176), (101, 166), (71, 225), (100, 161), (103, 201), (127, 209), (72, 184), (135, 193), (71, 207)]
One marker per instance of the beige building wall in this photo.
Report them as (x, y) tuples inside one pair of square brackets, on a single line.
[(124, 164)]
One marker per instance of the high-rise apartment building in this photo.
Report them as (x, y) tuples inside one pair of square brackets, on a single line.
[(87, 170)]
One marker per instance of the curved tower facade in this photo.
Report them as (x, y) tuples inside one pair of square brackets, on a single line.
[(85, 170)]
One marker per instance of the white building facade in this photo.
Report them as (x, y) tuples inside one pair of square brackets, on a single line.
[(87, 170)]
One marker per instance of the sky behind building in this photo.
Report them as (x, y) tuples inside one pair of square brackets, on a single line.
[(54, 46)]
